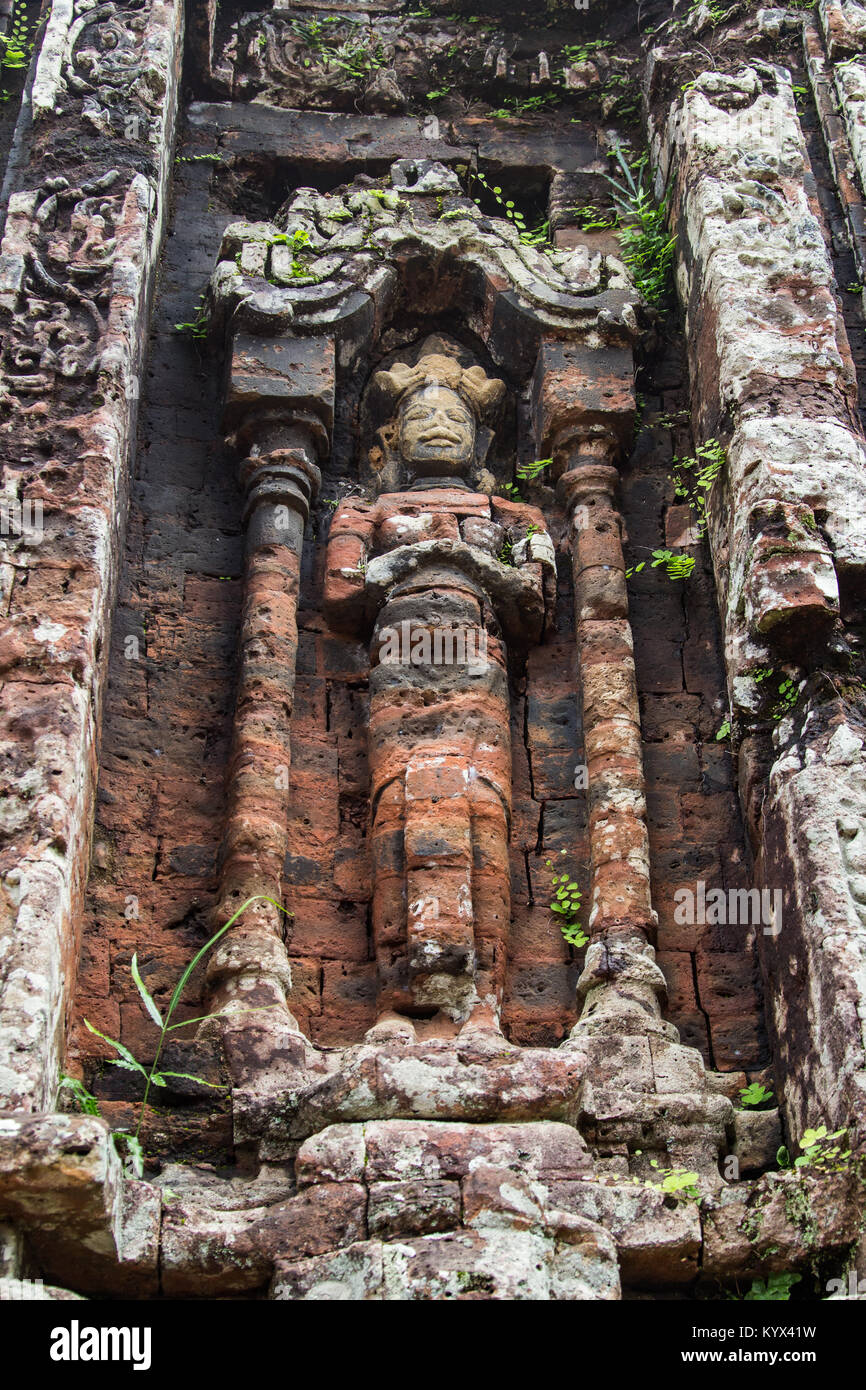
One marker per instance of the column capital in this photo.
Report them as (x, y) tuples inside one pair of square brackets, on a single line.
[(588, 480)]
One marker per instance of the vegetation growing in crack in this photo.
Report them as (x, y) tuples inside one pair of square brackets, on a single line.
[(128, 1144), (359, 54), (675, 566), (787, 691), (17, 44), (647, 245), (299, 243), (537, 235), (527, 473), (565, 905), (754, 1095), (679, 1183), (534, 471), (694, 477), (575, 54), (696, 474), (822, 1151), (525, 106), (197, 326), (589, 218)]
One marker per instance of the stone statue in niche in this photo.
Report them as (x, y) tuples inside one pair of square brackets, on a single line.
[(446, 578)]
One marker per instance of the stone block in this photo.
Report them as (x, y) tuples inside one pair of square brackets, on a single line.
[(293, 373)]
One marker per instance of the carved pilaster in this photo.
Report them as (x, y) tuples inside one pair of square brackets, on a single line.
[(281, 435), (583, 409)]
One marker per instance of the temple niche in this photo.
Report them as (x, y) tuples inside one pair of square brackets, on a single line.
[(445, 584)]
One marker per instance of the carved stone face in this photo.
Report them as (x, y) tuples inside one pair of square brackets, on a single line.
[(436, 433)]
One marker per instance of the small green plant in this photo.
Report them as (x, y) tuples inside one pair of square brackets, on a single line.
[(591, 219), (438, 93), (695, 476), (678, 1183), (86, 1100), (199, 159), (539, 235), (511, 491), (197, 327), (623, 94), (676, 566), (775, 1289), (671, 418), (565, 904), (724, 731), (787, 693), (358, 54), (523, 106), (152, 1075), (575, 53), (854, 288), (17, 45), (715, 13), (531, 472), (299, 243), (754, 1095), (506, 553), (530, 236), (820, 1150), (647, 246)]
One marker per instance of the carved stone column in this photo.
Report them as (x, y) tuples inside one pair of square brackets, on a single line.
[(281, 436), (621, 984)]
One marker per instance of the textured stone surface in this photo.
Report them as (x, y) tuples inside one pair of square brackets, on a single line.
[(350, 266), (481, 1080), (101, 228), (779, 1224), (770, 343), (62, 1182), (657, 1243), (758, 1135), (408, 1150), (513, 1265), (815, 842)]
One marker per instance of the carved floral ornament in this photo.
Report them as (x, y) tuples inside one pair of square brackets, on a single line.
[(115, 57), (327, 256)]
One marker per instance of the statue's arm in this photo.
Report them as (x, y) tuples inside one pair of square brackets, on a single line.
[(349, 544), (527, 531), (533, 550)]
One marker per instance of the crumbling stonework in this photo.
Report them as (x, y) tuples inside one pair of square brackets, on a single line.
[(516, 764)]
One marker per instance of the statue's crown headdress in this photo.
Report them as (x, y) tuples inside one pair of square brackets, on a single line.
[(436, 366)]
